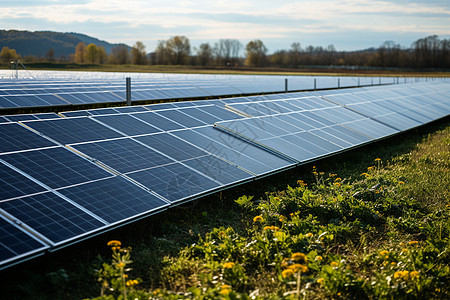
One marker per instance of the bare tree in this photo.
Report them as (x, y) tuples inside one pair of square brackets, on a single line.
[(204, 54), (138, 54), (119, 55), (179, 49), (255, 53)]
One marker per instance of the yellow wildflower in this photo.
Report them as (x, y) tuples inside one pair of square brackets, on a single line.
[(414, 274), (298, 267), (337, 184), (412, 243), (132, 282), (225, 290), (393, 263), (338, 179), (401, 274), (369, 168), (299, 256), (228, 265), (320, 280), (287, 273), (321, 173), (282, 219), (334, 264), (377, 159), (401, 182), (258, 219), (318, 257), (114, 243), (364, 174), (309, 234), (404, 250), (120, 265), (384, 253)]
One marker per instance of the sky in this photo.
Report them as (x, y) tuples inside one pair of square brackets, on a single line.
[(346, 24)]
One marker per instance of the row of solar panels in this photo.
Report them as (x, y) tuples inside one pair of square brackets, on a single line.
[(65, 178), (44, 93)]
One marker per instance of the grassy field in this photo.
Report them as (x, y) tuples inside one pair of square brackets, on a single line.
[(310, 71), (370, 223)]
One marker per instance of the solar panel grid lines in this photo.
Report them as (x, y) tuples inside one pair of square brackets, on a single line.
[(17, 244)]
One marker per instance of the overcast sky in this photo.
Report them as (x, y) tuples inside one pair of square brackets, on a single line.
[(347, 24)]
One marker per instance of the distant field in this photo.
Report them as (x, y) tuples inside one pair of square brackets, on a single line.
[(218, 70)]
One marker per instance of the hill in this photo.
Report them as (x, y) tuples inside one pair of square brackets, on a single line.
[(37, 43)]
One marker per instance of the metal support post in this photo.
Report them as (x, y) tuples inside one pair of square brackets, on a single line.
[(128, 83)]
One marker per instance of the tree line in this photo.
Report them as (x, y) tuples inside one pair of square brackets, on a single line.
[(428, 52)]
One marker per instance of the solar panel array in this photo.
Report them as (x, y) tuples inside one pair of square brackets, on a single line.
[(79, 88), (67, 177)]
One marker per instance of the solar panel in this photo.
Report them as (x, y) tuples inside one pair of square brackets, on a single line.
[(14, 137), (175, 182), (15, 244), (13, 184), (114, 199), (52, 216), (55, 167), (127, 124), (124, 155), (73, 130)]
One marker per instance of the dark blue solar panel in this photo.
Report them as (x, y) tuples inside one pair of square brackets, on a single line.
[(124, 155), (225, 146), (14, 184), (171, 146), (218, 169), (114, 199), (56, 167), (220, 113), (127, 124), (174, 182), (14, 137), (73, 130), (158, 121), (14, 242), (18, 118), (52, 216), (46, 116), (77, 113), (180, 118), (129, 109)]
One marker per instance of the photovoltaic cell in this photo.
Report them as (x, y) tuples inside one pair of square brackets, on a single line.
[(56, 167), (15, 243), (14, 184), (14, 137), (73, 130), (174, 182), (114, 199), (52, 216), (126, 124), (124, 155)]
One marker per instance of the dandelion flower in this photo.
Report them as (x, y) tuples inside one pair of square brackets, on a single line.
[(414, 274), (401, 182), (298, 267), (334, 264), (228, 265), (299, 256), (120, 265), (412, 243), (384, 253), (114, 243), (258, 219), (318, 257), (377, 159), (309, 234), (338, 179), (287, 273), (225, 290), (337, 184), (320, 280)]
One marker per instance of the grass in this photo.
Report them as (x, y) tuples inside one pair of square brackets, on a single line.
[(346, 227), (186, 69)]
